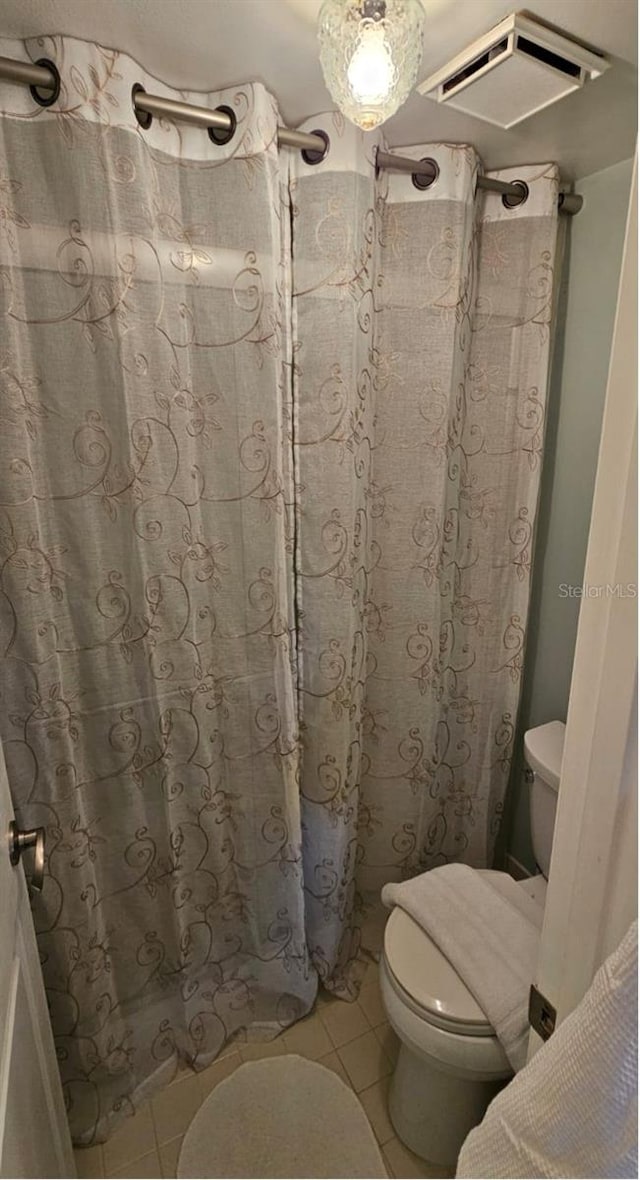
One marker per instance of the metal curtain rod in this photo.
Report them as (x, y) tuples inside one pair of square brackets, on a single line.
[(515, 192), (43, 75)]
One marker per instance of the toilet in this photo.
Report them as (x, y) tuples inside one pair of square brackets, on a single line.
[(450, 1063)]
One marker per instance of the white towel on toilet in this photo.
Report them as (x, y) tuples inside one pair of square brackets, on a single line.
[(489, 930)]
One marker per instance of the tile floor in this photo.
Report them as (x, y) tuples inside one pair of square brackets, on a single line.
[(355, 1040)]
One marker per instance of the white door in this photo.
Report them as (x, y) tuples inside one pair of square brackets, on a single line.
[(34, 1134), (592, 892)]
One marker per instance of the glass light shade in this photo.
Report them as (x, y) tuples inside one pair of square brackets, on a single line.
[(370, 51)]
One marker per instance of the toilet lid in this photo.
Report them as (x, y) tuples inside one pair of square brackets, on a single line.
[(428, 978)]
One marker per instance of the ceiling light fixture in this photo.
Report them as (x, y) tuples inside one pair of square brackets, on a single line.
[(370, 51)]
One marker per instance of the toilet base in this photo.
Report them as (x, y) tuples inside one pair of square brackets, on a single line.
[(432, 1111)]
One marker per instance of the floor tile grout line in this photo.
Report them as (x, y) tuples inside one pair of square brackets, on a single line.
[(130, 1163), (141, 1155), (335, 1050), (155, 1130), (370, 1027)]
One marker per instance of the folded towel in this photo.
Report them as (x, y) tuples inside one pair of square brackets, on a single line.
[(574, 1110), (489, 931)]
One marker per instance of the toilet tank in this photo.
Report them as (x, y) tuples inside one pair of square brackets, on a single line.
[(543, 748)]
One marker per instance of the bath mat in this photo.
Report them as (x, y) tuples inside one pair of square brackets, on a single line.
[(280, 1117)]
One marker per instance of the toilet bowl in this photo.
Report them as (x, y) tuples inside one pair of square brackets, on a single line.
[(451, 1063)]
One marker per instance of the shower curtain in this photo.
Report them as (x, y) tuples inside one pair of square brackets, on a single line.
[(269, 462), (422, 329)]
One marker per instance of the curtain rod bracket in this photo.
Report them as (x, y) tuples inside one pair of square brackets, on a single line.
[(570, 203)]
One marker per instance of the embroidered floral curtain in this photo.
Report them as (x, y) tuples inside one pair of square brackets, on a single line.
[(335, 380), (148, 699), (422, 323), (269, 465)]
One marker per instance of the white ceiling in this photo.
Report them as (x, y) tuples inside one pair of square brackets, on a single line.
[(206, 44)]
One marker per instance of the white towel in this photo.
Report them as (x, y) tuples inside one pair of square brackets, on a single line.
[(573, 1111), (489, 931)]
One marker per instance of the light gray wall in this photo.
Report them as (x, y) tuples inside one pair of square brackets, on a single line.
[(586, 311)]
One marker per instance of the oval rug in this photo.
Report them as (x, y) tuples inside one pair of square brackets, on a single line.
[(280, 1117)]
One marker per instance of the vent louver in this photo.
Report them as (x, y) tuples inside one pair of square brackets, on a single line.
[(518, 68), (548, 57)]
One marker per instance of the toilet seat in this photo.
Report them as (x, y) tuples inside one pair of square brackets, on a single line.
[(427, 982), (479, 1058)]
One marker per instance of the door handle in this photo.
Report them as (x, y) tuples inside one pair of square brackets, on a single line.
[(20, 839)]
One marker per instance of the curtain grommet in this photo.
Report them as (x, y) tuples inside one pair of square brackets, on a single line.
[(313, 156), (376, 166), (222, 135), (50, 96), (514, 200), (144, 118), (422, 182)]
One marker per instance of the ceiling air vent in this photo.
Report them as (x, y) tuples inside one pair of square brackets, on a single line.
[(518, 68)]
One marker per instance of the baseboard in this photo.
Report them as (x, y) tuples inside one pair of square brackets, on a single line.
[(515, 869)]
